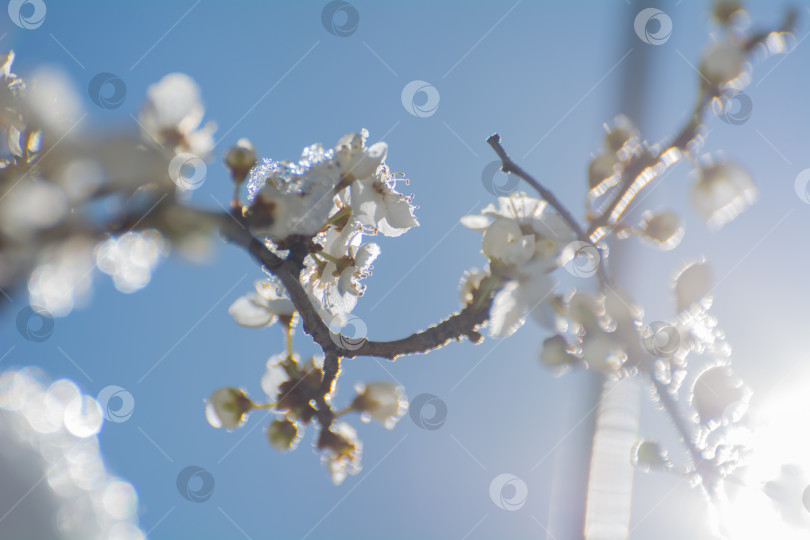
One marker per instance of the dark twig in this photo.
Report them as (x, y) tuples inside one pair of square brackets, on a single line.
[(462, 324), (510, 166)]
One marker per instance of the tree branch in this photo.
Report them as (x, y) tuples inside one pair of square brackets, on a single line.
[(462, 324), (510, 166)]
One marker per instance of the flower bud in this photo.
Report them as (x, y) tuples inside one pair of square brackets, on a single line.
[(227, 408), (240, 159), (728, 12), (622, 133), (664, 229), (722, 62), (282, 434)]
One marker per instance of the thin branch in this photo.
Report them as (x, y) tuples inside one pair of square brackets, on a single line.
[(458, 326), (510, 166), (648, 160)]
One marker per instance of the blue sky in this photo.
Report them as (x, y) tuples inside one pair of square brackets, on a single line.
[(545, 75)]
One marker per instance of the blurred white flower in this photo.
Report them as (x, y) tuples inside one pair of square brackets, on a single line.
[(663, 228), (275, 375), (172, 114), (723, 191), (49, 431), (131, 258), (227, 408), (693, 285), (722, 63), (54, 101), (515, 300), (384, 402), (263, 307), (64, 277), (33, 205), (342, 451)]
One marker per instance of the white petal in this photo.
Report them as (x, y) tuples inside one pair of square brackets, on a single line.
[(250, 311), (508, 311), (476, 222)]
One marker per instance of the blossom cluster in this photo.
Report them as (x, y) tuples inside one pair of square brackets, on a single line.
[(334, 198), (72, 202)]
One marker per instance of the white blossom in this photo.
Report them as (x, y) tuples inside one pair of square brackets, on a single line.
[(333, 275), (172, 114), (343, 452), (723, 191), (515, 300), (275, 375), (469, 282), (377, 204), (227, 408), (521, 229), (357, 162), (383, 402), (263, 307)]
